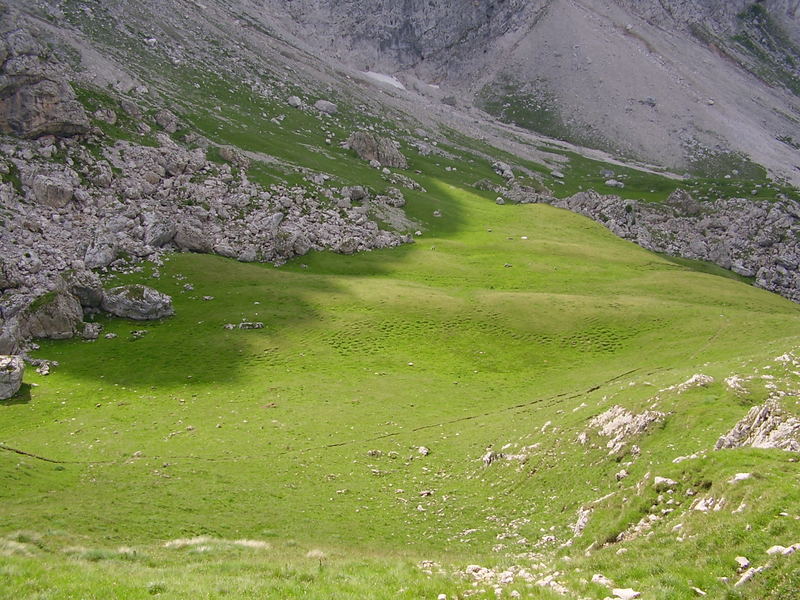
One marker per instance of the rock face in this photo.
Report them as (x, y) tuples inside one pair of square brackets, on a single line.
[(764, 426), (55, 316), (35, 99), (753, 239), (35, 108), (137, 302), (11, 371), (372, 147)]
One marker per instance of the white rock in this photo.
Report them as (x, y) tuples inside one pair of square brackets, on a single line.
[(625, 593), (748, 575), (602, 580), (664, 483)]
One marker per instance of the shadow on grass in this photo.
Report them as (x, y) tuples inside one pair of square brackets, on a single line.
[(194, 347), (23, 396)]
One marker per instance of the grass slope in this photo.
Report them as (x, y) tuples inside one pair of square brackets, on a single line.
[(502, 325)]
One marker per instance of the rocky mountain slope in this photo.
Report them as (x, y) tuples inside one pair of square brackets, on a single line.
[(690, 85)]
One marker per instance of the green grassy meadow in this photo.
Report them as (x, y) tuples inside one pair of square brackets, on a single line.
[(285, 462), (500, 325)]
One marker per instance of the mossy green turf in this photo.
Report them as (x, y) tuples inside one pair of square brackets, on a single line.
[(471, 336)]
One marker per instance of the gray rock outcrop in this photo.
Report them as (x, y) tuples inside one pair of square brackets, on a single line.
[(622, 425), (134, 202), (12, 370), (85, 286), (764, 426), (138, 302), (54, 190), (56, 315), (372, 147), (325, 106), (758, 239)]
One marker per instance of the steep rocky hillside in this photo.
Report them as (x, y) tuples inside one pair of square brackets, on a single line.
[(691, 85)]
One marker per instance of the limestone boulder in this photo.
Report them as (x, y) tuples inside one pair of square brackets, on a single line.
[(234, 156), (326, 106), (101, 253), (55, 315), (190, 236), (373, 147), (167, 120), (11, 371), (54, 191), (85, 286), (10, 337), (158, 230), (138, 302)]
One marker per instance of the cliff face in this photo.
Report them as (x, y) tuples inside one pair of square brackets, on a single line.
[(720, 15), (400, 35), (392, 35)]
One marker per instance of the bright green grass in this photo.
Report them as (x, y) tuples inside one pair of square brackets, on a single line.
[(197, 430)]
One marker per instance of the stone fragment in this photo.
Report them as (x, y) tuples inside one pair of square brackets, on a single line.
[(664, 483), (602, 580)]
